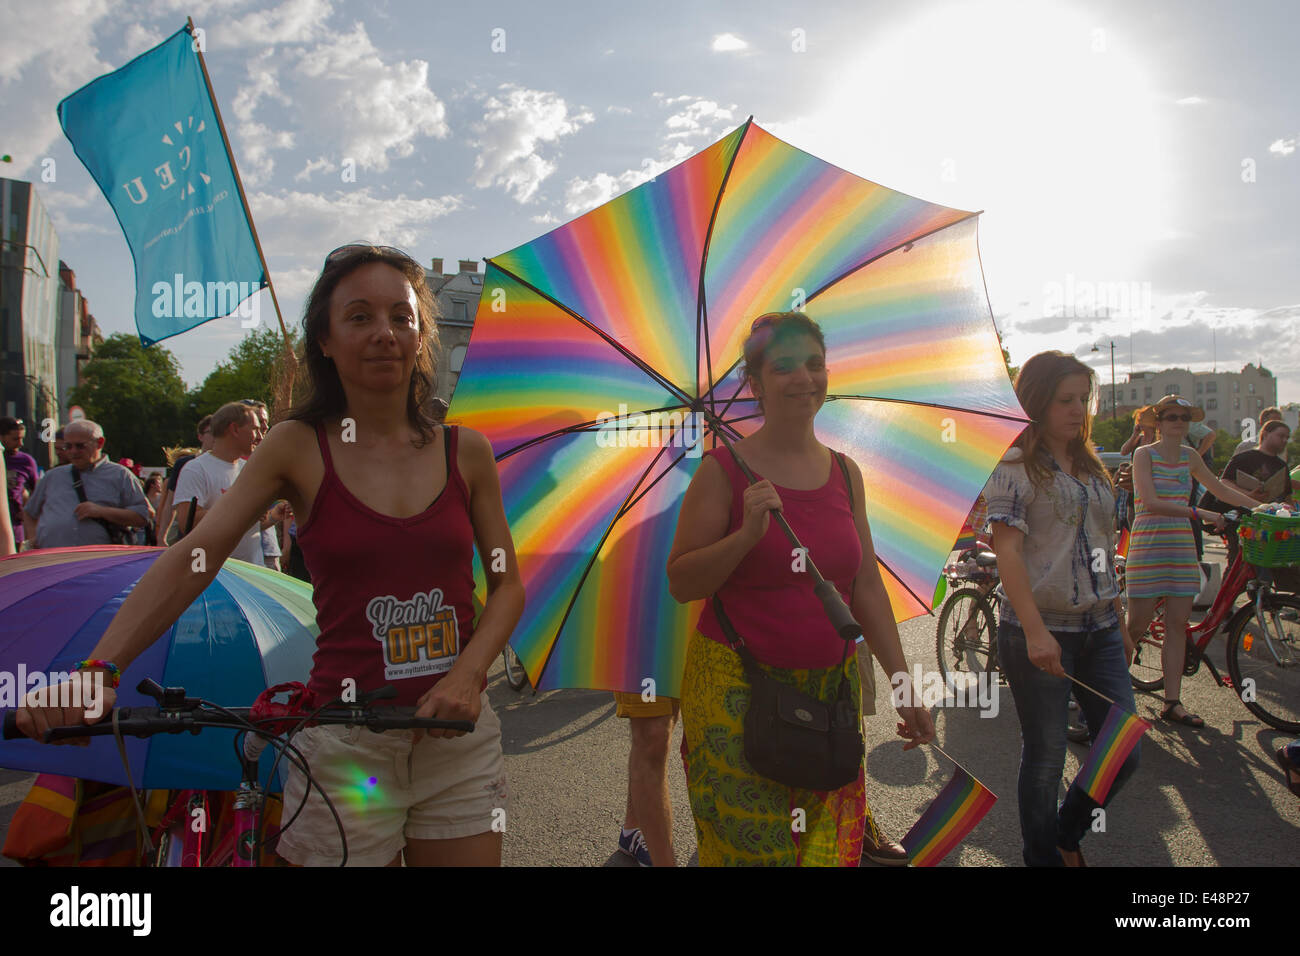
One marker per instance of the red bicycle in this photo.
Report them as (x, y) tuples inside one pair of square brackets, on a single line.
[(1263, 651)]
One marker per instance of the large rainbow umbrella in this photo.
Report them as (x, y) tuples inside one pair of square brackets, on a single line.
[(250, 629), (594, 344)]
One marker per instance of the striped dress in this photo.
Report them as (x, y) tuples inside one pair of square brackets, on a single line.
[(1162, 551)]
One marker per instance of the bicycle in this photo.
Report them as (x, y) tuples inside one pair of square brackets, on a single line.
[(967, 631), (516, 675), (1263, 652), (180, 842)]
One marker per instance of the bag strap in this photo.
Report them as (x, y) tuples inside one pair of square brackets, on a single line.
[(81, 495)]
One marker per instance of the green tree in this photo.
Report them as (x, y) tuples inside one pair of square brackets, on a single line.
[(1111, 434), (137, 395), (248, 372)]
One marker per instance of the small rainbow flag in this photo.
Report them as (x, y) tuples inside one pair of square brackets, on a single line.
[(1119, 735), (1122, 550), (960, 805), (966, 541)]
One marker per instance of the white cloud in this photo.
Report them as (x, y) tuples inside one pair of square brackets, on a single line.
[(285, 218), (1190, 101), (1283, 147), (728, 43), (370, 108), (138, 39), (515, 123), (694, 124), (294, 21), (314, 166)]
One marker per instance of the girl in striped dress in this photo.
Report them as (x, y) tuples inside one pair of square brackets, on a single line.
[(1162, 552)]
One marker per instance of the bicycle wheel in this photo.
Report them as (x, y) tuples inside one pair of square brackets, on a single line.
[(965, 640), (1264, 661), (516, 676), (1147, 672)]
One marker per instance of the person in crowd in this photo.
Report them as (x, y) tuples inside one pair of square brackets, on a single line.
[(22, 472), (1162, 560), (1259, 472), (236, 431), (60, 449), (391, 521), (7, 545), (110, 502), (1266, 415), (177, 459), (728, 544), (647, 832), (153, 491), (1052, 510)]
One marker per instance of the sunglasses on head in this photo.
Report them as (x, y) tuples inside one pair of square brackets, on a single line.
[(353, 247)]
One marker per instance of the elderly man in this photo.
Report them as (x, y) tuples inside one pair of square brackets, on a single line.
[(87, 500)]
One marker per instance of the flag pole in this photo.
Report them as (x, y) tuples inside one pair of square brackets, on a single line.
[(290, 359), (959, 766)]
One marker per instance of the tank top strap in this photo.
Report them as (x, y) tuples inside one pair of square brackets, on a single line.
[(323, 441)]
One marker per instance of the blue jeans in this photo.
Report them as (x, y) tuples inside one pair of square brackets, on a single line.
[(1097, 659)]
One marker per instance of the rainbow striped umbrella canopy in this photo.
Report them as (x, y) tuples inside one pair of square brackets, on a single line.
[(594, 344), (250, 629)]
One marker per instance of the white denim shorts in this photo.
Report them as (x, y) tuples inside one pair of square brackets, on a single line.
[(388, 788)]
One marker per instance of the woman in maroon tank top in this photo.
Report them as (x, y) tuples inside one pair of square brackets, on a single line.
[(727, 545), (393, 505)]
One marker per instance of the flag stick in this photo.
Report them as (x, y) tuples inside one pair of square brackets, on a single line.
[(1095, 691), (290, 359), (968, 773)]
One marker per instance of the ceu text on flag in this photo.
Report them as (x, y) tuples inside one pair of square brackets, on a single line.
[(149, 135)]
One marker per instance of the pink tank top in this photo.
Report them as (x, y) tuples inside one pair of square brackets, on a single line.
[(772, 605), (394, 596)]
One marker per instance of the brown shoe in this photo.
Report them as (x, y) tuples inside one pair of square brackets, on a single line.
[(885, 853), (1072, 857)]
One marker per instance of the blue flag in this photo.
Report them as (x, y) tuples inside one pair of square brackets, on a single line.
[(149, 135)]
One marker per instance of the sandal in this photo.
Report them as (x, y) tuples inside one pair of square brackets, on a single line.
[(1187, 720), (1289, 770)]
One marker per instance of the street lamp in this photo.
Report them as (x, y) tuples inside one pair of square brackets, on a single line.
[(1113, 411)]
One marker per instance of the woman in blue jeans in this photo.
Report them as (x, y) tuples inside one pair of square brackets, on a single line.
[(1052, 509)]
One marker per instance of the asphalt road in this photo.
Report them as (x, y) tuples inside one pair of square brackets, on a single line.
[(1209, 797)]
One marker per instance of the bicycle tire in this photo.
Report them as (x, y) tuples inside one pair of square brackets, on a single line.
[(1152, 643), (1259, 655), (516, 675), (980, 655)]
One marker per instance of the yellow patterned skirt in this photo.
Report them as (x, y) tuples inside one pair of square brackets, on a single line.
[(741, 818)]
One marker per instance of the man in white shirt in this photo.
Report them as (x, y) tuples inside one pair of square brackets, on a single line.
[(236, 430)]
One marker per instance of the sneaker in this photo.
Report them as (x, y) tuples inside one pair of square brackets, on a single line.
[(633, 845)]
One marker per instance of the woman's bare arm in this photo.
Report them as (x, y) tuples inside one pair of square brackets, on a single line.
[(703, 555)]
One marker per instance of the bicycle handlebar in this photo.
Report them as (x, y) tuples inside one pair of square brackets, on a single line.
[(147, 721)]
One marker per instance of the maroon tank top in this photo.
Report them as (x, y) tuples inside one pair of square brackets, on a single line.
[(393, 596), (769, 597)]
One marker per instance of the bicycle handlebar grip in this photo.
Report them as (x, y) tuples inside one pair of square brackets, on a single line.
[(840, 616), (11, 731)]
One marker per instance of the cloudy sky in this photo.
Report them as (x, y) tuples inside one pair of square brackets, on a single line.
[(1137, 162)]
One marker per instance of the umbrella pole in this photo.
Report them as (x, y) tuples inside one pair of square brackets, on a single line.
[(837, 611)]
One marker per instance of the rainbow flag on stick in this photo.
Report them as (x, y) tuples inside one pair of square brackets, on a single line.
[(1119, 735), (960, 805)]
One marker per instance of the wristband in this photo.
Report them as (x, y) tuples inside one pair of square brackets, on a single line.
[(1195, 516), (114, 671)]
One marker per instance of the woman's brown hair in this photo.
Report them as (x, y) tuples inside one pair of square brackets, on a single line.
[(1035, 388), (325, 399)]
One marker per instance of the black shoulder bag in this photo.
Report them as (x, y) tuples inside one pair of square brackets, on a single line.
[(792, 737), (116, 533)]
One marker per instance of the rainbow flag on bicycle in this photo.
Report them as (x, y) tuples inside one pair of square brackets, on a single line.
[(1119, 735), (960, 805)]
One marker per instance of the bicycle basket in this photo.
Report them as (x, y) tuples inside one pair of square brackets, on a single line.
[(1270, 542)]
